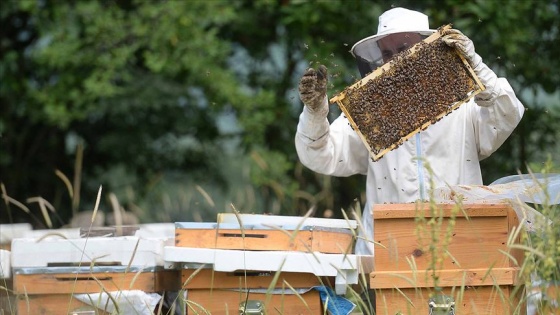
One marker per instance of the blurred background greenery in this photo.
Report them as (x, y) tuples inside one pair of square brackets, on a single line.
[(184, 109)]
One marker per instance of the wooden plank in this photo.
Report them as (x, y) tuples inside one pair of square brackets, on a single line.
[(404, 237), (83, 283), (446, 278), (266, 239), (209, 279), (332, 242), (218, 302), (516, 233), (413, 210), (485, 300), (471, 245), (376, 149)]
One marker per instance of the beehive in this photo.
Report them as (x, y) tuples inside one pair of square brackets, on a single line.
[(226, 292), (271, 261), (465, 255), (414, 90), (220, 280), (49, 274), (264, 237)]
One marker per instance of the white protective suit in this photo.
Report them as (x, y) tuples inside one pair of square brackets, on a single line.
[(453, 148)]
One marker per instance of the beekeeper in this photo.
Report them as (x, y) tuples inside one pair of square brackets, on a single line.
[(452, 147)]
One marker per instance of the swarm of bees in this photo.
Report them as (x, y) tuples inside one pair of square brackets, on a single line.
[(415, 89)]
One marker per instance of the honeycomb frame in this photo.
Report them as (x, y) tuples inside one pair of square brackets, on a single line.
[(374, 117)]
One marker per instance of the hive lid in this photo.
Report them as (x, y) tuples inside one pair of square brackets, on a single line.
[(284, 221), (114, 251), (249, 227)]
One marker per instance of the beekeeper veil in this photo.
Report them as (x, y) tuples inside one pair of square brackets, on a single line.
[(369, 55)]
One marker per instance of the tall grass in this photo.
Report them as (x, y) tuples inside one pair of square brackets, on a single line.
[(539, 270)]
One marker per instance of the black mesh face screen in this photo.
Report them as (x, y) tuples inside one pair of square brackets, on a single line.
[(365, 67), (369, 56)]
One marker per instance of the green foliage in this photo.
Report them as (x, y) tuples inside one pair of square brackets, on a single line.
[(544, 261), (168, 96)]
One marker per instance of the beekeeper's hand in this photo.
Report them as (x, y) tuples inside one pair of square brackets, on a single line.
[(488, 78), (463, 44), (313, 88)]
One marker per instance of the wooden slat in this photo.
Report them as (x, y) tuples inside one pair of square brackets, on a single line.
[(413, 210), (302, 240), (83, 283), (209, 279), (446, 278), (515, 227), (227, 302), (472, 245), (485, 300), (403, 238)]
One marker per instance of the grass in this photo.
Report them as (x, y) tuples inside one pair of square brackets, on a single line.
[(539, 275)]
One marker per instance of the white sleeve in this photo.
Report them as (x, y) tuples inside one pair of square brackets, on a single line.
[(498, 113), (333, 149)]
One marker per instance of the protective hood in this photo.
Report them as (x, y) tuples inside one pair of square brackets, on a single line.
[(398, 20)]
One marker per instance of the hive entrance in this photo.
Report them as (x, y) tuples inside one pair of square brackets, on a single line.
[(415, 89)]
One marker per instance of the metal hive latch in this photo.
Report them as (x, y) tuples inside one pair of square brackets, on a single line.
[(441, 305), (251, 307)]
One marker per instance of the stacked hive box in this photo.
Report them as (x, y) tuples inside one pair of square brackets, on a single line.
[(8, 232), (250, 263), (442, 257), (7, 299), (61, 276)]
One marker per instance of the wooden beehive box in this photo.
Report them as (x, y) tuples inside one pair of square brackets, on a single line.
[(264, 237), (268, 261), (226, 292), (268, 232), (424, 250), (415, 89), (220, 280), (50, 273)]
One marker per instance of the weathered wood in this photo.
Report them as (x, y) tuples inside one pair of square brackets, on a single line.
[(209, 279), (61, 283), (478, 237), (412, 210), (446, 278), (83, 283), (266, 239), (481, 300), (474, 262), (221, 302)]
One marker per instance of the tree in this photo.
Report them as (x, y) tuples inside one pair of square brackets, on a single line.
[(187, 108)]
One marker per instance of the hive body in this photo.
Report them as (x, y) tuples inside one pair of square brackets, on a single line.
[(406, 95)]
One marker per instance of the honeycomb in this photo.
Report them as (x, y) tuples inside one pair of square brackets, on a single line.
[(416, 89)]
